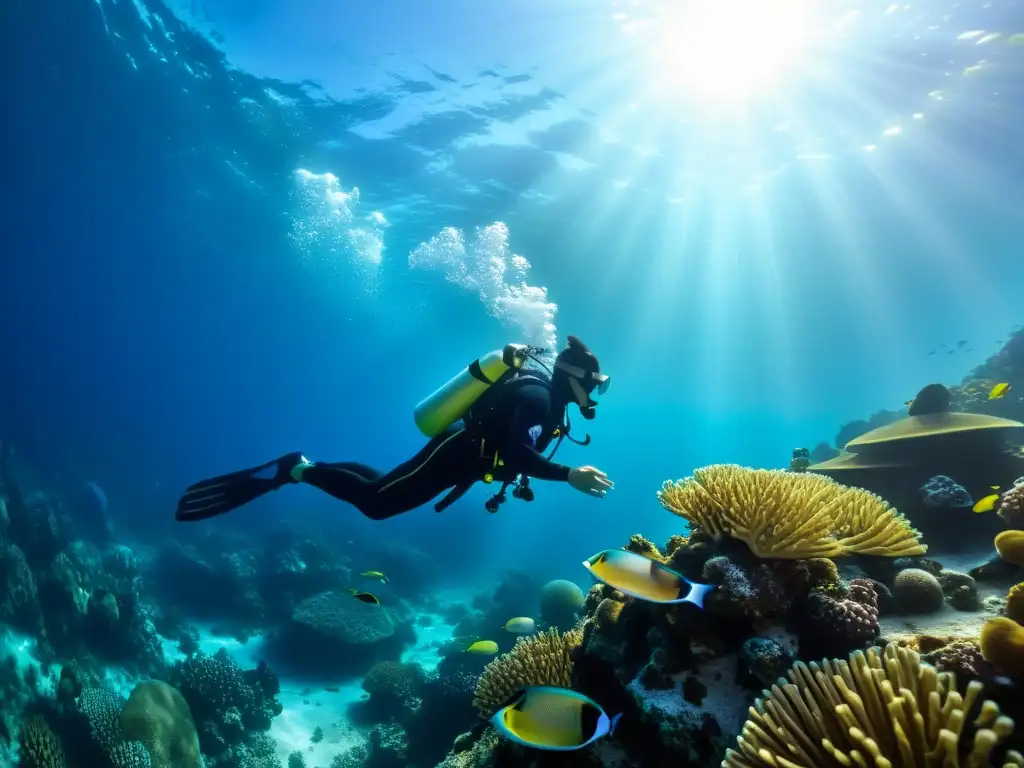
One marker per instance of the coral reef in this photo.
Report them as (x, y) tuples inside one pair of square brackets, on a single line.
[(229, 705), (790, 515)]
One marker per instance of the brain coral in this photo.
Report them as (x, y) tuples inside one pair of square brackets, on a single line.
[(878, 709), (158, 716), (917, 591), (341, 617), (790, 515)]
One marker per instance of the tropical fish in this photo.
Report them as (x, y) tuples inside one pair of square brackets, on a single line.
[(1017, 39), (375, 575), (487, 647), (991, 37), (994, 487), (973, 70), (999, 390), (644, 579), (365, 597), (971, 34), (521, 625), (555, 719), (987, 504)]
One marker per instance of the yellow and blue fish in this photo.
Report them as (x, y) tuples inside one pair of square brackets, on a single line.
[(644, 579), (375, 575), (555, 719)]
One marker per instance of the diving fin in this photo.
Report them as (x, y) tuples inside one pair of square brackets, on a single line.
[(209, 498)]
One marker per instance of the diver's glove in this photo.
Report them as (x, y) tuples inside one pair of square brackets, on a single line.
[(591, 481)]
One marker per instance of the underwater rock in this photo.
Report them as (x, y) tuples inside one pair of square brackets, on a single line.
[(762, 660), (917, 591), (961, 590), (395, 690)]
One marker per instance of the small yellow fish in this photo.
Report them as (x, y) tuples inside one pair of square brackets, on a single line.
[(521, 625), (1017, 39), (485, 647), (999, 390), (994, 487), (987, 504), (970, 71), (972, 389), (989, 38), (365, 597), (375, 575)]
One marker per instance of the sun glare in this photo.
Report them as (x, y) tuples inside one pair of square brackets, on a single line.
[(728, 50)]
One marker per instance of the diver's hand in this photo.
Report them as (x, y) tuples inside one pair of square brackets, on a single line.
[(591, 481)]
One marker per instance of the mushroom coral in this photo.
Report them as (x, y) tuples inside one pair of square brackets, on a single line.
[(789, 515), (542, 659), (880, 709)]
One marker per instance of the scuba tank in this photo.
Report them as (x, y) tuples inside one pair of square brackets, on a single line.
[(449, 402)]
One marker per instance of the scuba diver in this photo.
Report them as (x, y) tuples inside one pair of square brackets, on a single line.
[(491, 422)]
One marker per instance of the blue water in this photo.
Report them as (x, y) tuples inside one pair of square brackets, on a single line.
[(184, 293)]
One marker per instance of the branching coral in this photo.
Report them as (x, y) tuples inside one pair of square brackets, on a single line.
[(789, 515), (883, 710), (102, 709), (542, 659)]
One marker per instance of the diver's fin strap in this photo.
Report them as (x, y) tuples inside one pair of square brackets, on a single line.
[(452, 496)]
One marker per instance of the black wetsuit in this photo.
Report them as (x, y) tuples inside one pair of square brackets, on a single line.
[(517, 419)]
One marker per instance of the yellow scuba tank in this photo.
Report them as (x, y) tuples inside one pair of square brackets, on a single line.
[(449, 402)]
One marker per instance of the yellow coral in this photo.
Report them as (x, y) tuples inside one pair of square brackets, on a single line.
[(883, 710), (40, 747), (780, 514), (1010, 546), (1002, 643), (541, 659), (643, 546), (1015, 603)]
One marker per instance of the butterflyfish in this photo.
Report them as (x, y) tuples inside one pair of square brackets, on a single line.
[(555, 719), (987, 504), (999, 390), (375, 575), (486, 647), (644, 579), (521, 625)]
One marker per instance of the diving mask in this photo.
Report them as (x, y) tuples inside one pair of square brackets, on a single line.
[(591, 381)]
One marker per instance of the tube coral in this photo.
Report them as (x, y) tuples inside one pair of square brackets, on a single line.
[(880, 709), (780, 514)]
